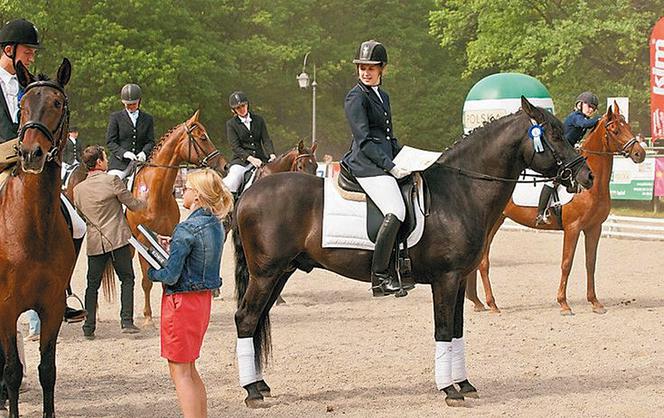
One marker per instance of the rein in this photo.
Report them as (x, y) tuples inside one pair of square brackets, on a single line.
[(298, 158), (34, 124), (565, 172), (203, 163)]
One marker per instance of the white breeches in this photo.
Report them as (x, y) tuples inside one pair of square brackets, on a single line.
[(78, 224), (385, 193), (235, 175)]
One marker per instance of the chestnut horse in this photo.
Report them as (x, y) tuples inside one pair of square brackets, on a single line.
[(300, 159), (279, 230), (187, 143), (37, 254), (586, 212)]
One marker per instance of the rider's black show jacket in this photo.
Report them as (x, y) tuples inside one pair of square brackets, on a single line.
[(122, 136), (374, 144), (245, 142)]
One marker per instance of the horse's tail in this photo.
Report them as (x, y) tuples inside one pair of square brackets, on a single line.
[(108, 282), (262, 335)]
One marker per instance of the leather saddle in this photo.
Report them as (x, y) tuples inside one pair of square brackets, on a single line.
[(407, 185)]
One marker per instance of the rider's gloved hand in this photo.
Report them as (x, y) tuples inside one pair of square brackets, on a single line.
[(141, 156), (399, 172), (272, 157), (129, 155), (256, 162)]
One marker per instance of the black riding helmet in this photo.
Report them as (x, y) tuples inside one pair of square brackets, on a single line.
[(130, 93), (237, 98), (371, 52), (19, 32), (589, 98)]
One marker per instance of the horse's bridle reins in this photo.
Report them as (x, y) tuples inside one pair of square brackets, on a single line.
[(203, 163), (626, 149), (300, 157), (567, 170), (34, 124)]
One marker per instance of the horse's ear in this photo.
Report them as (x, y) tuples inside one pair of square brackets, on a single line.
[(64, 72), (313, 147), (300, 147), (609, 112), (616, 107), (195, 117), (531, 110), (23, 75)]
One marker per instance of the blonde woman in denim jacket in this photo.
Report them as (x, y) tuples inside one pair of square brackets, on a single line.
[(189, 277)]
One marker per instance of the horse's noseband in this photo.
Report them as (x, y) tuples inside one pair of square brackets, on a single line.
[(205, 161), (34, 124), (301, 157)]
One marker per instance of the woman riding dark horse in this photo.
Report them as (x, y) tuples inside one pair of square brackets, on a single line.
[(370, 157), (468, 186)]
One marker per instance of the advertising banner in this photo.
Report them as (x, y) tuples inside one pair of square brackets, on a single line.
[(631, 181), (657, 80)]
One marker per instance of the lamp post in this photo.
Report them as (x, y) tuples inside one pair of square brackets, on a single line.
[(303, 81)]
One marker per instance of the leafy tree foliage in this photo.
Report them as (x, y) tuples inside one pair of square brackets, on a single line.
[(569, 45)]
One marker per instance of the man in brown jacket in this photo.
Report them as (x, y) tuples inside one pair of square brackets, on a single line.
[(100, 198)]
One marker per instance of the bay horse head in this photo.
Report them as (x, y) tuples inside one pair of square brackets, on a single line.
[(44, 117), (570, 168), (305, 160), (198, 149), (619, 138)]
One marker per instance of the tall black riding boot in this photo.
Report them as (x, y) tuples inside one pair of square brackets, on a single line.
[(384, 283), (542, 207)]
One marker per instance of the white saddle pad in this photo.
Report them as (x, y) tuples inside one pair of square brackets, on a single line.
[(345, 221), (528, 194)]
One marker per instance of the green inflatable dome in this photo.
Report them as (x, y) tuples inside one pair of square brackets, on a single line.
[(500, 94)]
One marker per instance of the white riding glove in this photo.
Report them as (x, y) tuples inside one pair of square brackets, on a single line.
[(256, 162), (141, 156), (399, 172), (272, 158), (129, 155)]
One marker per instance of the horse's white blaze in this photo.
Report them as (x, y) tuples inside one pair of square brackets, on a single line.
[(443, 364), (458, 360), (246, 361)]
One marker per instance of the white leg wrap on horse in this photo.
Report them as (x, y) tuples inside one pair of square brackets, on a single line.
[(443, 364), (246, 362), (78, 224), (458, 360)]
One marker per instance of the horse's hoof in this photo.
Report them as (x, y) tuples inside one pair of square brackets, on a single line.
[(566, 312), (255, 403), (148, 323), (599, 310), (479, 308), (453, 398), (264, 389), (468, 390), (495, 311)]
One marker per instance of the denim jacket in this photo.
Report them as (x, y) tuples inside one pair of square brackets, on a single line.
[(195, 255)]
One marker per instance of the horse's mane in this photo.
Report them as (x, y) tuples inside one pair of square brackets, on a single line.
[(160, 142), (42, 77)]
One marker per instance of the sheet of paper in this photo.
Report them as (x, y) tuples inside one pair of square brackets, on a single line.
[(413, 159)]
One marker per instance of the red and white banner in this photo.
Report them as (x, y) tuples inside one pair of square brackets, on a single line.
[(657, 79)]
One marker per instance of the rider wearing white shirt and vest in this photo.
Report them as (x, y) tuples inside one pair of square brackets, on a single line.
[(248, 137), (370, 156)]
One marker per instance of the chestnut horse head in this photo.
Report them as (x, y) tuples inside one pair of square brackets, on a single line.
[(613, 136), (44, 117), (300, 159), (189, 143)]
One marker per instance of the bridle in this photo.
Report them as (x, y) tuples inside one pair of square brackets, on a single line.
[(626, 149), (203, 162), (311, 159), (34, 124)]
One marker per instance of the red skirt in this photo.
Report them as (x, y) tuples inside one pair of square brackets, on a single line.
[(184, 320)]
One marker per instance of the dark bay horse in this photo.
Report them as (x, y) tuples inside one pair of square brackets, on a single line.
[(585, 213), (279, 227), (37, 254), (300, 159), (187, 143)]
